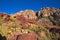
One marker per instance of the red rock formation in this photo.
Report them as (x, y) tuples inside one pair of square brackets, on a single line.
[(4, 16), (28, 14), (29, 36)]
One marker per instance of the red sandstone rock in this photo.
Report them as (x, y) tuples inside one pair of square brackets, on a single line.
[(29, 36)]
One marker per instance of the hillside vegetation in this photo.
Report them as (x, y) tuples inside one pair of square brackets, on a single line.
[(31, 25)]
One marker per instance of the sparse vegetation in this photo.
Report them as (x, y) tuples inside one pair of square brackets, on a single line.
[(44, 33), (24, 25)]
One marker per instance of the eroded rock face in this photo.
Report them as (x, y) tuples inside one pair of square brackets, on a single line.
[(29, 36), (45, 12), (29, 14), (4, 16), (53, 14), (44, 22)]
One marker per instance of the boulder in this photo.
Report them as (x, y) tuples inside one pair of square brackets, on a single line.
[(29, 36)]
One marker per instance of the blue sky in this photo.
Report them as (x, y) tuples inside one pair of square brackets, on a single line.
[(13, 6)]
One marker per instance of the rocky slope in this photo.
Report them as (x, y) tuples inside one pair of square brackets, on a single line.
[(31, 25)]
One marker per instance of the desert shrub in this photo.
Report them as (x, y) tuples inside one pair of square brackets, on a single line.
[(1, 21), (55, 22), (4, 30), (10, 28), (33, 28), (43, 32), (12, 18)]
